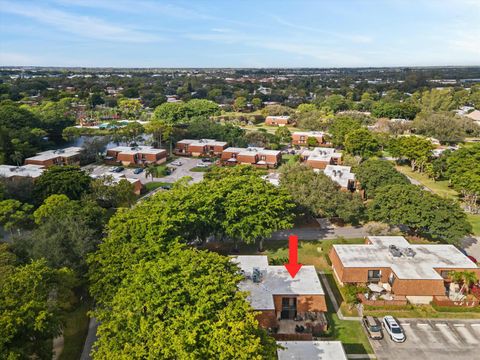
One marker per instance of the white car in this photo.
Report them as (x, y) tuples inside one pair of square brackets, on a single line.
[(176, 163), (201, 164), (393, 329)]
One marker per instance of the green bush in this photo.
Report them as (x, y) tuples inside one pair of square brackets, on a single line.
[(456, 309)]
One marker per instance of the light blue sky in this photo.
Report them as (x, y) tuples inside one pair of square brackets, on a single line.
[(239, 33)]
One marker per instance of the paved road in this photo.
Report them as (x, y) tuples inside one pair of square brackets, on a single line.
[(184, 170), (324, 232), (432, 339)]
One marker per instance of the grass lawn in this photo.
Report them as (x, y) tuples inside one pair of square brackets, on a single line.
[(475, 221), (201, 169), (155, 185), (422, 311), (438, 187), (75, 331)]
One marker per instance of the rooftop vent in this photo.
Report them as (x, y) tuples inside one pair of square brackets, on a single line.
[(409, 252), (256, 275), (395, 251)]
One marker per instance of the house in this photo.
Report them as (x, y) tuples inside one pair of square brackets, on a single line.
[(259, 157), (475, 116), (137, 155), (26, 171), (320, 157), (67, 156), (277, 120), (116, 178), (263, 90), (280, 298), (202, 147), (342, 175), (311, 350), (300, 138), (416, 272)]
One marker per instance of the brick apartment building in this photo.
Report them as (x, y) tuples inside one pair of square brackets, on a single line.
[(300, 138), (417, 272), (277, 120), (138, 155), (319, 158), (277, 296), (202, 147), (259, 157), (67, 156)]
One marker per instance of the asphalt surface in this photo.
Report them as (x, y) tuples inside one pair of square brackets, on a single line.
[(432, 339)]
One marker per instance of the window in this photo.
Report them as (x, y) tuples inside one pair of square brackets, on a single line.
[(374, 275)]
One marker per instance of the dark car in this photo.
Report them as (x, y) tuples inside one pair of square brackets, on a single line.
[(206, 160), (117, 169), (137, 171), (373, 326)]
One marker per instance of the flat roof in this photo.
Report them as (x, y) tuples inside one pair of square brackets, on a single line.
[(137, 150), (276, 280), (421, 266), (308, 133), (311, 350), (340, 174), (252, 151), (28, 170), (321, 154), (282, 117), (53, 154), (202, 142)]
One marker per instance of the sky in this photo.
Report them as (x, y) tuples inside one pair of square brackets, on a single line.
[(239, 33)]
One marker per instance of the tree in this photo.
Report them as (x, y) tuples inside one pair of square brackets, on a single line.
[(68, 180), (33, 297), (93, 148), (132, 133), (361, 142), (200, 128), (373, 174), (257, 103), (340, 127), (417, 150), (395, 110), (424, 213), (202, 108), (170, 113), (313, 120), (335, 103), (14, 215), (55, 116), (17, 158), (160, 130), (182, 304), (95, 99), (240, 103), (466, 278), (111, 193), (303, 108), (283, 134), (312, 141), (130, 108), (277, 110), (444, 126)]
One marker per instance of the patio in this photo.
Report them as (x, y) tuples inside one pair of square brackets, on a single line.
[(313, 323)]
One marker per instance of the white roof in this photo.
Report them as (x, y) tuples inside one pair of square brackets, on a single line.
[(116, 178), (276, 280), (278, 117), (252, 150), (321, 154), (137, 150), (311, 350), (474, 115), (340, 174), (28, 170), (53, 154), (309, 133), (202, 142), (421, 266)]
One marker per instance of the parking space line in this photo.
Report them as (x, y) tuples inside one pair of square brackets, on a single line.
[(410, 334), (447, 333), (466, 335), (426, 331), (476, 329)]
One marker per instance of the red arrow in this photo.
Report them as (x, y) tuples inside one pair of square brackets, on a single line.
[(293, 266)]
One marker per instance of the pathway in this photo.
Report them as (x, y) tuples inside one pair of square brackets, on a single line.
[(90, 340)]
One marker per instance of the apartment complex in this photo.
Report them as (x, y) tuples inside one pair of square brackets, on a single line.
[(116, 178), (253, 156), (320, 157), (277, 120), (417, 272), (342, 175), (300, 138), (26, 171), (138, 155), (67, 156), (202, 147), (277, 296)]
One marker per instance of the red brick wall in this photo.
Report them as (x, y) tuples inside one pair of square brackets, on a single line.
[(318, 164), (304, 303), (267, 319)]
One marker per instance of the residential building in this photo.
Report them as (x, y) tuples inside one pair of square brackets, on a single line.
[(300, 138), (116, 178), (311, 350), (342, 175), (259, 157), (280, 298), (67, 156), (277, 120), (416, 272), (137, 155), (475, 116), (202, 147), (320, 157), (26, 171)]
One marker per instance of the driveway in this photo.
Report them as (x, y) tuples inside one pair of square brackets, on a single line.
[(432, 339)]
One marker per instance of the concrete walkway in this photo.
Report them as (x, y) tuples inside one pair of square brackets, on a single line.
[(90, 340)]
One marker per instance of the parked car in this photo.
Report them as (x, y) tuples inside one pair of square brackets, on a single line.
[(202, 164), (373, 326), (117, 169), (176, 163), (206, 160), (138, 171), (393, 329)]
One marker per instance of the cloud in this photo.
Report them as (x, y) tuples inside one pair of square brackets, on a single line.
[(85, 26)]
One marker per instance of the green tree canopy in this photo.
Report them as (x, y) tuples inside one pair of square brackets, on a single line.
[(340, 127), (416, 149), (14, 215), (373, 174), (424, 213), (361, 142)]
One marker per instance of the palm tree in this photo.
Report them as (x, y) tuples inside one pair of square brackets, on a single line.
[(467, 278), (17, 157), (151, 170)]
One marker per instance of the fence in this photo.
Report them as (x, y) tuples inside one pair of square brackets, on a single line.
[(445, 301)]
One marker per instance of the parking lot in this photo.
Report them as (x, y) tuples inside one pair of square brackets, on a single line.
[(432, 339), (178, 173)]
